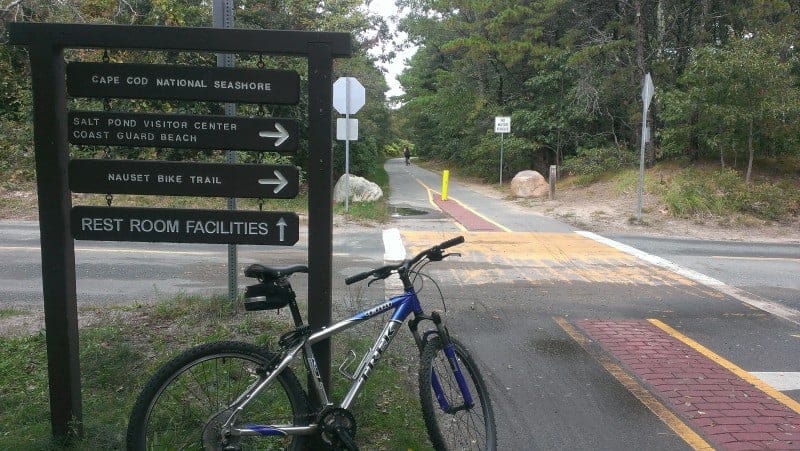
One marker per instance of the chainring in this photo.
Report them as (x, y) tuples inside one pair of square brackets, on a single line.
[(332, 421)]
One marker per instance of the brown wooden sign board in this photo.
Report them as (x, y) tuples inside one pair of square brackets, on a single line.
[(46, 43), (163, 225), (177, 178), (103, 128), (159, 81)]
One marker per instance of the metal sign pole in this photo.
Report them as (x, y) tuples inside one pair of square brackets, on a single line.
[(347, 145), (223, 18), (501, 157), (647, 95)]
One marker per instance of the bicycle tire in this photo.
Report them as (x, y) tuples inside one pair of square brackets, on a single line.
[(470, 428), (179, 404)]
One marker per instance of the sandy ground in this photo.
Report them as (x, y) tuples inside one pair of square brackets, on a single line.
[(599, 208)]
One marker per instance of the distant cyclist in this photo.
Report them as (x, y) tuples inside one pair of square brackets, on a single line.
[(407, 155)]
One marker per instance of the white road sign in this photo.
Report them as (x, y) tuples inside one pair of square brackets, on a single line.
[(347, 129), (647, 91), (502, 124), (348, 95)]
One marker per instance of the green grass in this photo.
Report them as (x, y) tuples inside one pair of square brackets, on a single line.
[(298, 204), (127, 344), (376, 211), (9, 312), (723, 192)]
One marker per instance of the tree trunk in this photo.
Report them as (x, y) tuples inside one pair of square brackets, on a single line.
[(703, 35), (640, 37), (661, 25)]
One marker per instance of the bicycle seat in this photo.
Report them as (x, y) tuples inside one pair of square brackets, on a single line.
[(262, 272)]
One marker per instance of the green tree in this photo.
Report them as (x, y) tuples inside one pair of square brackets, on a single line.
[(368, 30), (739, 98)]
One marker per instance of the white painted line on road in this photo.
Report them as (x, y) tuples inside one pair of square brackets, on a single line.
[(780, 380), (394, 250), (730, 257), (751, 299)]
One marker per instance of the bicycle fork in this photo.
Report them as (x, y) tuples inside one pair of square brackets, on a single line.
[(450, 353)]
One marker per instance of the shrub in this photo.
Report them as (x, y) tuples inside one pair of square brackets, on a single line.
[(589, 164), (724, 192)]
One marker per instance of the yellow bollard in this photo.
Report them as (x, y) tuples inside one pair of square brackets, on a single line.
[(445, 179)]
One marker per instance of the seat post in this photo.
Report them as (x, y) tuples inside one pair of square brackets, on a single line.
[(298, 319)]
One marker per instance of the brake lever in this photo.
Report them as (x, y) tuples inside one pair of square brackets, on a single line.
[(381, 276), (452, 254)]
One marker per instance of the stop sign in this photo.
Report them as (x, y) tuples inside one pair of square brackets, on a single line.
[(348, 95)]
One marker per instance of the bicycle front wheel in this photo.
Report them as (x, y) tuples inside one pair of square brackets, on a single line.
[(455, 421), (186, 403)]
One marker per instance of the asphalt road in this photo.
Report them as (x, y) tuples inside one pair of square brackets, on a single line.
[(515, 298), (768, 270)]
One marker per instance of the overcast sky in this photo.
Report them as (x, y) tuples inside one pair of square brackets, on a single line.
[(387, 8)]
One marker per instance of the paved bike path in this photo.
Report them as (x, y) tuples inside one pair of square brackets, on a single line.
[(753, 415), (419, 188), (723, 403)]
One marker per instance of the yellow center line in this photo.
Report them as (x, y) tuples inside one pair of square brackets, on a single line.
[(651, 402), (742, 374)]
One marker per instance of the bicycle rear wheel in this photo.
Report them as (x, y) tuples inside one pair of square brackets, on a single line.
[(185, 403), (454, 423)]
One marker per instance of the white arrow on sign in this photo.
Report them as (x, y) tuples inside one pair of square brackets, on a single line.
[(280, 181), (281, 225), (281, 134)]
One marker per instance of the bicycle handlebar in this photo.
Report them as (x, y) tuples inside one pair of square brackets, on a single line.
[(384, 271)]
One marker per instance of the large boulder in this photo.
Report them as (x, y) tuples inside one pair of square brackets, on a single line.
[(361, 190), (529, 184)]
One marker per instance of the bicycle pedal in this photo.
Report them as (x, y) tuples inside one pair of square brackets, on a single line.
[(346, 439)]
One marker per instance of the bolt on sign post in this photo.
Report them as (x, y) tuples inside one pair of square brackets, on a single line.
[(55, 127), (348, 98), (502, 125), (647, 94), (445, 183)]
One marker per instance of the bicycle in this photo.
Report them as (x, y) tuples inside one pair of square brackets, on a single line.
[(233, 395)]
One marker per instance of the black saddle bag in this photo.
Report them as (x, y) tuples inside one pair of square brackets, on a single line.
[(268, 295)]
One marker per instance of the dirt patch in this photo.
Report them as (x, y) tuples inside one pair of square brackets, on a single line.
[(601, 208)]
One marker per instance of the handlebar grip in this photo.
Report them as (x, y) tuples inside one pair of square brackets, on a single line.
[(452, 242), (356, 278)]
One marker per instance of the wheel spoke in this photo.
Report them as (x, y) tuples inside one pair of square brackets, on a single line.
[(458, 427), (186, 403)]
